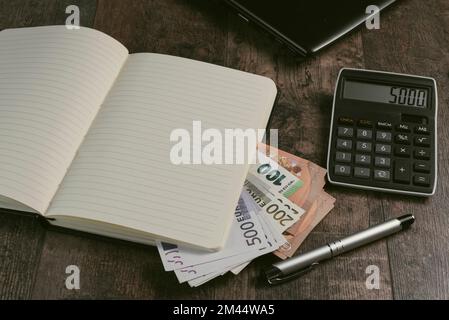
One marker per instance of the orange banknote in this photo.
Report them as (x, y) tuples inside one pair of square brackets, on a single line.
[(310, 197)]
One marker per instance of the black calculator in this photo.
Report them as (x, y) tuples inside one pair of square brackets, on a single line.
[(383, 132)]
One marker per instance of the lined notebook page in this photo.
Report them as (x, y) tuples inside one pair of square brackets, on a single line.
[(123, 173), (52, 83)]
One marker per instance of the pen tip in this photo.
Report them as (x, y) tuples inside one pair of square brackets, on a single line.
[(406, 221), (272, 274)]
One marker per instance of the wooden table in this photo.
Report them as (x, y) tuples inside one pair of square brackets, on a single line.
[(414, 38)]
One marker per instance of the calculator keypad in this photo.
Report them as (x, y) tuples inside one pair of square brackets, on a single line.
[(382, 175), (363, 173), (343, 157), (383, 149), (345, 132), (383, 152), (364, 146), (422, 141), (402, 173), (382, 162), (342, 170), (403, 128), (402, 151), (364, 134), (402, 138), (344, 144), (362, 159), (383, 136)]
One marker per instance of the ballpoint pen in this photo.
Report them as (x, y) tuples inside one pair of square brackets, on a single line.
[(294, 267)]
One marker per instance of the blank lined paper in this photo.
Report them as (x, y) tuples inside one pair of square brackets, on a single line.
[(123, 174), (52, 84)]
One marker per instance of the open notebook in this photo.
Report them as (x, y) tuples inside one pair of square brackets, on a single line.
[(85, 136)]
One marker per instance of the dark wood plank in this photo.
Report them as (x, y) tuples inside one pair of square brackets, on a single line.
[(193, 29), (190, 29), (30, 13), (32, 262), (108, 269), (22, 236), (21, 241), (413, 39), (114, 270), (303, 117)]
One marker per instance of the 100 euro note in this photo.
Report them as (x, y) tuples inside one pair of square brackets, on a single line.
[(311, 175)]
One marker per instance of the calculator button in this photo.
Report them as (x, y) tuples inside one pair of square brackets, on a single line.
[(344, 144), (422, 130), (402, 171), (403, 128), (364, 134), (383, 148), (342, 170), (423, 154), (421, 180), (382, 175), (344, 132), (343, 157), (402, 139), (346, 120), (365, 123), (423, 167), (363, 173), (363, 159), (384, 125), (364, 146), (383, 136), (382, 162), (402, 151), (422, 141)]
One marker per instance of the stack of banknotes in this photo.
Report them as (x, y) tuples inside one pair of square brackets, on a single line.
[(281, 202)]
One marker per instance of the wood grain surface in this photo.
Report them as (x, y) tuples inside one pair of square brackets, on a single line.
[(414, 38)]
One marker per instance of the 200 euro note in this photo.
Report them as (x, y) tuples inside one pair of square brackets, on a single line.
[(280, 210), (310, 197), (322, 206)]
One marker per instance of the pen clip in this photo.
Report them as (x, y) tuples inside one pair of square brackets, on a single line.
[(279, 278)]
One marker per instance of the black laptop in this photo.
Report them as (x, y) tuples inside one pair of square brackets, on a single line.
[(307, 26)]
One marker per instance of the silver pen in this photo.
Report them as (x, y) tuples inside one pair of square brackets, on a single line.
[(294, 267)]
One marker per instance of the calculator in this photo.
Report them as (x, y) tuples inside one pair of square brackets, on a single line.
[(383, 133)]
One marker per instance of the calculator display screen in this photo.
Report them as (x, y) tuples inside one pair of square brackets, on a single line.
[(398, 95)]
